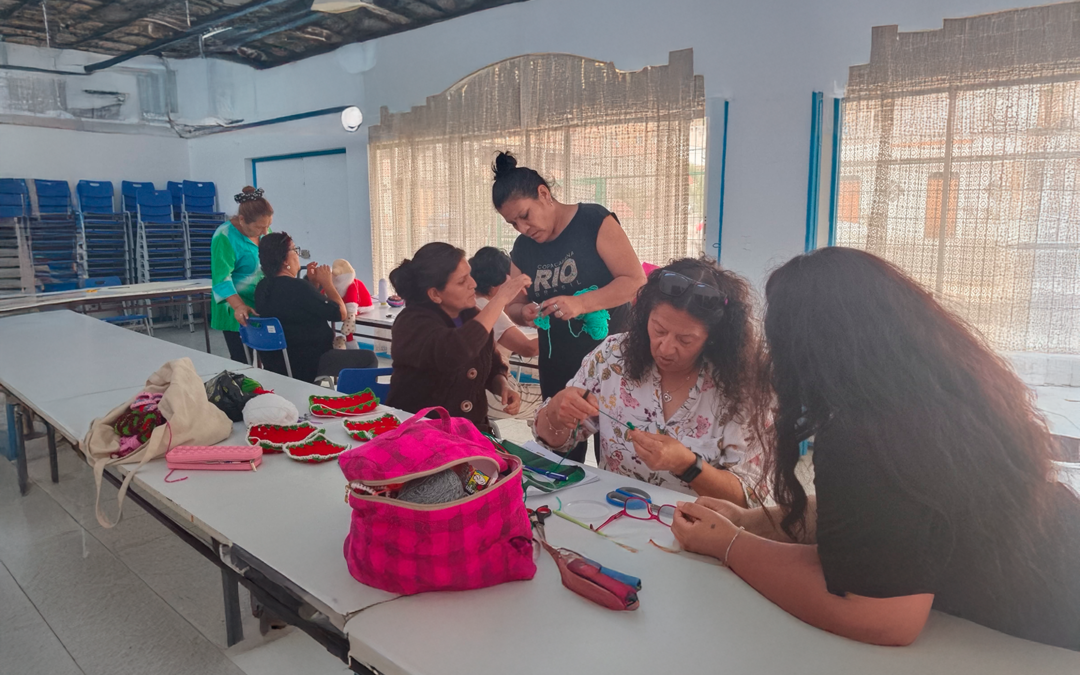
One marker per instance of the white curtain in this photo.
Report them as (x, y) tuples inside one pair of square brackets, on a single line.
[(632, 141), (959, 162)]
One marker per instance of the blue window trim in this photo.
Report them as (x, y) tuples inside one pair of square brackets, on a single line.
[(834, 193), (296, 155), (813, 187), (723, 175)]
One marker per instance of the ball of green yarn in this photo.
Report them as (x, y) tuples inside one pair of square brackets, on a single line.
[(595, 324)]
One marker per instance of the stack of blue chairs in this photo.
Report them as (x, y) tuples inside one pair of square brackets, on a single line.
[(14, 216), (161, 241), (105, 237), (54, 236), (176, 189), (128, 190), (201, 220)]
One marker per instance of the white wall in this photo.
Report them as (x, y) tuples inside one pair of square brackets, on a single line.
[(63, 154)]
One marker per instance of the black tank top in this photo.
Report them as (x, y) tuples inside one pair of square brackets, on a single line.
[(564, 266)]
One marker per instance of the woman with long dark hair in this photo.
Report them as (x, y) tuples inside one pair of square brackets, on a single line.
[(682, 376), (444, 352), (933, 475), (565, 249)]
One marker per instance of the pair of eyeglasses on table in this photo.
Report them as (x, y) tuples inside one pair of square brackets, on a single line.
[(637, 504)]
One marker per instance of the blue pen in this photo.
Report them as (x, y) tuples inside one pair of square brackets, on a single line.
[(545, 472), (632, 582)]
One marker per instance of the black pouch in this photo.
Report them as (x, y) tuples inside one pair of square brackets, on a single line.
[(226, 391)]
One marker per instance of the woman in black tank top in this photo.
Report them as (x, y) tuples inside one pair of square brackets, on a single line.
[(564, 249)]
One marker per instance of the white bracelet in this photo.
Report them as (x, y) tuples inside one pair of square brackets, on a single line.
[(730, 544)]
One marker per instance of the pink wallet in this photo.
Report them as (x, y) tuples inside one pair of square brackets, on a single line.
[(214, 457)]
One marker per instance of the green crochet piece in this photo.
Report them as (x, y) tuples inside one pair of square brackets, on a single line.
[(249, 385), (594, 323)]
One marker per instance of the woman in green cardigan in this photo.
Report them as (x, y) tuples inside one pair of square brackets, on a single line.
[(234, 267)]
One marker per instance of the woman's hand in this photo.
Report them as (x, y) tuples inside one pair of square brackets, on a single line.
[(563, 307), (529, 312), (699, 529), (571, 405), (511, 399), (322, 274), (240, 310), (511, 288), (661, 452)]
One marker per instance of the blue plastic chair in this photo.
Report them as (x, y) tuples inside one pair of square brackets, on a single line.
[(128, 191), (14, 198), (353, 380), (125, 318), (95, 196), (264, 334), (53, 197)]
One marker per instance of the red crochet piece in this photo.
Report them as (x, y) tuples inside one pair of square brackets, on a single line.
[(365, 430), (273, 437), (316, 450), (343, 406)]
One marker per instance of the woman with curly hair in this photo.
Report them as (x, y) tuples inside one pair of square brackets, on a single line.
[(933, 473), (682, 377)]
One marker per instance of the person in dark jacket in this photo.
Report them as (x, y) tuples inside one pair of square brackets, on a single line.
[(442, 345)]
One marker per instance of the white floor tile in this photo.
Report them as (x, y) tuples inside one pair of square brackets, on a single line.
[(27, 644), (292, 654)]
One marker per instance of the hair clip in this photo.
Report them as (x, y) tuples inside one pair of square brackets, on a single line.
[(248, 196)]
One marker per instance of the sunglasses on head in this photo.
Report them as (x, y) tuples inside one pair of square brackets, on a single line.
[(674, 285)]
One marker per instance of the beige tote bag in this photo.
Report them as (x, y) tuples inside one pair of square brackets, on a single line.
[(191, 420)]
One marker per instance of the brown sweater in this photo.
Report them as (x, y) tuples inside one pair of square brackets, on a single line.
[(438, 364)]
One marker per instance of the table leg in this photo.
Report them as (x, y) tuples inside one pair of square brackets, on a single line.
[(206, 322), (12, 437), (234, 628), (54, 466), (20, 453)]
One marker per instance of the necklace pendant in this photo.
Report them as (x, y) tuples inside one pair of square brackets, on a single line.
[(667, 397)]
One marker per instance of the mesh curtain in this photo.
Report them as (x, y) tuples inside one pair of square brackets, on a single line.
[(960, 163), (632, 141)]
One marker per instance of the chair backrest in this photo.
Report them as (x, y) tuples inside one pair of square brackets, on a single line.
[(101, 282), (176, 189), (199, 197), (263, 334), (63, 286), (155, 206), (14, 198), (53, 196), (128, 191), (353, 380), (95, 196)]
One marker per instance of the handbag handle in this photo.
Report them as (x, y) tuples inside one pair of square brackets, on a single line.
[(444, 417)]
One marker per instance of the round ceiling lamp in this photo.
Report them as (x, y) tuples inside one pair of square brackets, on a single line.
[(351, 118)]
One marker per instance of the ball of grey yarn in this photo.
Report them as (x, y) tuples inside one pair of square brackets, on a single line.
[(439, 488)]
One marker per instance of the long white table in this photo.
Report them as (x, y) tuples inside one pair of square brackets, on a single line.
[(280, 531)]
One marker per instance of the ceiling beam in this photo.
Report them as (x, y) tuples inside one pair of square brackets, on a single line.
[(232, 40), (195, 30), (383, 13)]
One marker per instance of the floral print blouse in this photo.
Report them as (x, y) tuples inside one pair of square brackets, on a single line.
[(703, 423)]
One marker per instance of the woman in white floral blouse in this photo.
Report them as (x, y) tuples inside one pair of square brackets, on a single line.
[(682, 376)]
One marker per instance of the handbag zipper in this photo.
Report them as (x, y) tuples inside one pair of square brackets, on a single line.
[(350, 490)]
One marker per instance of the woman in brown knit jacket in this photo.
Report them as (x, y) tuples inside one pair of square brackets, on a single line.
[(444, 353)]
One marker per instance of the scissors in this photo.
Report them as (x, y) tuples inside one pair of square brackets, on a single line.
[(618, 496), (537, 517)]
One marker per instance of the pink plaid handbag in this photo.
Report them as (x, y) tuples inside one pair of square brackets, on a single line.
[(401, 547)]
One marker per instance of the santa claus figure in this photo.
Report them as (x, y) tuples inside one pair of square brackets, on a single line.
[(355, 295)]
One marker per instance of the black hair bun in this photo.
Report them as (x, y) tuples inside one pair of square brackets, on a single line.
[(504, 164)]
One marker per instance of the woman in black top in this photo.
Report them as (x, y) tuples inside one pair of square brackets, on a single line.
[(564, 249), (932, 469), (305, 313)]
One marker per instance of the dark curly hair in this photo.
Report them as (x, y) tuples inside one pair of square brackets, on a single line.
[(273, 250), (733, 349), (490, 268)]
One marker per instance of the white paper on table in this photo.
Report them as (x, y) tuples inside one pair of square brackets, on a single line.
[(536, 448)]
